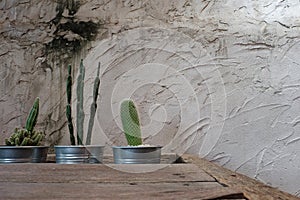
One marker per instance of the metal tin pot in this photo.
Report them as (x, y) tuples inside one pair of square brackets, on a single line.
[(137, 154), (15, 154), (79, 154), (39, 154)]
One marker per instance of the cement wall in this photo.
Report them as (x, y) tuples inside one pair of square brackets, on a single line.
[(214, 78)]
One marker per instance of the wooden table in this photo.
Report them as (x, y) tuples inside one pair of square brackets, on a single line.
[(190, 180)]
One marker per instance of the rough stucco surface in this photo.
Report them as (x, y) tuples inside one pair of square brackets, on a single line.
[(215, 78)]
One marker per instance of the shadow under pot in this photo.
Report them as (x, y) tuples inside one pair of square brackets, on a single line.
[(79, 154), (39, 154), (137, 154)]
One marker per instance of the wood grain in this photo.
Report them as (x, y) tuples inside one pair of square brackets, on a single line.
[(98, 181), (115, 191), (58, 173), (252, 189)]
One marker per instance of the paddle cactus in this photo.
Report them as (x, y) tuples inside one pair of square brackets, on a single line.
[(93, 107), (68, 108), (131, 124), (27, 136)]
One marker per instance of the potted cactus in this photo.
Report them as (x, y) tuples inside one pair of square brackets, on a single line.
[(77, 152), (24, 145), (135, 152)]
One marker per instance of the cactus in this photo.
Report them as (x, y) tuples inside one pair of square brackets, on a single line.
[(32, 117), (93, 107), (68, 109), (27, 136), (130, 122), (80, 113), (79, 105), (23, 137)]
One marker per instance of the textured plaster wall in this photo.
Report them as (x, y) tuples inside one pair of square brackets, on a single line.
[(215, 78)]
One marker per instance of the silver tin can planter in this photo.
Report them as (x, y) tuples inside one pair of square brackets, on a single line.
[(16, 154), (39, 154), (79, 154), (137, 154)]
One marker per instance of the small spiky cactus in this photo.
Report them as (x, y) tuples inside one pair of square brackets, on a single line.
[(80, 113), (68, 108), (93, 107), (23, 137), (130, 122), (27, 136)]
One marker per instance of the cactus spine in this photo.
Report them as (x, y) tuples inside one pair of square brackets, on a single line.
[(68, 109), (93, 107), (27, 136), (130, 122), (80, 113)]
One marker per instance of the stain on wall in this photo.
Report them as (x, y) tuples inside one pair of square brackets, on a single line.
[(70, 34)]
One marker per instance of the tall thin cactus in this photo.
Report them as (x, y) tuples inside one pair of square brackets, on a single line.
[(68, 108), (130, 122), (93, 107), (80, 113), (33, 115)]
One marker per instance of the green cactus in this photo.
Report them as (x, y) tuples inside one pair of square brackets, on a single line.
[(23, 137), (27, 136), (93, 107), (79, 105), (80, 113), (131, 124), (68, 108), (69, 85), (33, 115)]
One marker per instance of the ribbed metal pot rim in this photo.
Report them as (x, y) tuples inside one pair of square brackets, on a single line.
[(16, 154), (76, 146), (41, 147), (136, 147), (78, 154), (18, 147)]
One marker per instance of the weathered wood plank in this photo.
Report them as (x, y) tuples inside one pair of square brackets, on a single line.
[(58, 173), (191, 190), (253, 189), (86, 181)]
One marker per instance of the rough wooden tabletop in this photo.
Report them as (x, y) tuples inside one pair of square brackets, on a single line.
[(190, 180), (252, 189)]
